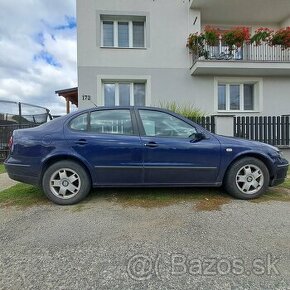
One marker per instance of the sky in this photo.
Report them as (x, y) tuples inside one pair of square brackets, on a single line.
[(38, 51)]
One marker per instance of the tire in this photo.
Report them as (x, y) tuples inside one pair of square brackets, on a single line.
[(66, 183), (247, 178)]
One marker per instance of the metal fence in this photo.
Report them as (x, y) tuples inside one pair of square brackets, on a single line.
[(22, 113), (274, 130), (207, 122), (6, 132), (15, 115)]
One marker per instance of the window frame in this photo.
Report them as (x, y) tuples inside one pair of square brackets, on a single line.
[(102, 33), (88, 127), (112, 134), (142, 131), (257, 90), (77, 116), (116, 20), (117, 90)]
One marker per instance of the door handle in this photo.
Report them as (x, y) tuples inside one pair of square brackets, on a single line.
[(151, 144), (81, 142)]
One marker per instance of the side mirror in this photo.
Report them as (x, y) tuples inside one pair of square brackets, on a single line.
[(197, 137)]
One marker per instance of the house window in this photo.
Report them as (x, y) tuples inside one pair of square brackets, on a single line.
[(124, 94), (236, 97), (123, 33), (108, 33)]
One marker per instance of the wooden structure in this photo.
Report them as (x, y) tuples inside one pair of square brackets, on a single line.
[(71, 96)]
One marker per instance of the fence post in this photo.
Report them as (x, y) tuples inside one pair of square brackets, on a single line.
[(20, 115), (224, 125)]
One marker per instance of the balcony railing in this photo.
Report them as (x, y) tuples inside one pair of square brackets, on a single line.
[(246, 53)]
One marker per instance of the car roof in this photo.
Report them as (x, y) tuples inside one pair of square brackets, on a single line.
[(79, 111)]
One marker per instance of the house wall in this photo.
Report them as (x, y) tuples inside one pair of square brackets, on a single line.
[(167, 29), (167, 85), (165, 63), (286, 23), (276, 96)]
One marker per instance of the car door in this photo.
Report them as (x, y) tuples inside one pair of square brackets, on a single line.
[(108, 140), (170, 156)]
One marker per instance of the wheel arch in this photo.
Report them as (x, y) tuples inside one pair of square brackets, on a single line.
[(258, 156), (63, 157)]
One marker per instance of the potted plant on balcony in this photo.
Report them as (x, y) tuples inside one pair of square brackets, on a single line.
[(211, 35), (195, 42), (236, 37), (281, 37), (262, 34)]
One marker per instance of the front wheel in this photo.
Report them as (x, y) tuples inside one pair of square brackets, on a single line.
[(66, 182), (247, 178)]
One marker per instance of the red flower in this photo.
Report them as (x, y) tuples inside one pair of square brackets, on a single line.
[(237, 36), (281, 37)]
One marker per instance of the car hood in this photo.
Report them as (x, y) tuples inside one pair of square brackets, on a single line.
[(247, 144)]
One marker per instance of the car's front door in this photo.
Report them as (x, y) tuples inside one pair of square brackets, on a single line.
[(108, 140), (171, 155)]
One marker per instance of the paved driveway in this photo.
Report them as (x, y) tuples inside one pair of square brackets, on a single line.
[(108, 244)]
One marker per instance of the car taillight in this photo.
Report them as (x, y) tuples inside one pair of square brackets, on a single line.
[(10, 143)]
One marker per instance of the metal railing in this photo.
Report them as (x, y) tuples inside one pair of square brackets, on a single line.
[(248, 52)]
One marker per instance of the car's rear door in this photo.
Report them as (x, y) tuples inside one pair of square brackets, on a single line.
[(171, 156), (110, 143)]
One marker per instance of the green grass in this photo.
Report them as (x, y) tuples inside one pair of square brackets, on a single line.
[(22, 195), (2, 168), (202, 199), (207, 199), (286, 184)]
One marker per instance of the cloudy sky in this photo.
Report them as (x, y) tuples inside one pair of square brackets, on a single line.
[(37, 51)]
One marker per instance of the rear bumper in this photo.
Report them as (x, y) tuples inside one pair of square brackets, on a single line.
[(22, 173), (280, 173)]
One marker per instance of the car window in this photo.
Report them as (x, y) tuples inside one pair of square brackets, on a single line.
[(164, 125), (80, 123), (111, 122)]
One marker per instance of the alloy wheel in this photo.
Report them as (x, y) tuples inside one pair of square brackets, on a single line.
[(65, 183), (250, 179)]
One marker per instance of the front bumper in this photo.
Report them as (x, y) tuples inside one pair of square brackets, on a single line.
[(280, 173)]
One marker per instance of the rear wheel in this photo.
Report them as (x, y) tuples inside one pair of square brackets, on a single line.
[(66, 182), (247, 178)]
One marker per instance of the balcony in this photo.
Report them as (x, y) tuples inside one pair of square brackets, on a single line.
[(248, 60), (235, 12)]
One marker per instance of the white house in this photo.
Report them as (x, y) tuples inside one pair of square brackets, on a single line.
[(134, 52)]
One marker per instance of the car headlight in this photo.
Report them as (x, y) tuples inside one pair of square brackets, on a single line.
[(275, 152), (280, 153)]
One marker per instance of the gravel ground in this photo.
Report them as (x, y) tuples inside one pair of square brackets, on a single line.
[(6, 182), (105, 245)]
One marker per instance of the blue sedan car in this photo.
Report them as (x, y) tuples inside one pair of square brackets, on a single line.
[(138, 146)]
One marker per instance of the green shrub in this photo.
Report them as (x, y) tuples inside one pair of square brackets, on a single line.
[(188, 111)]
